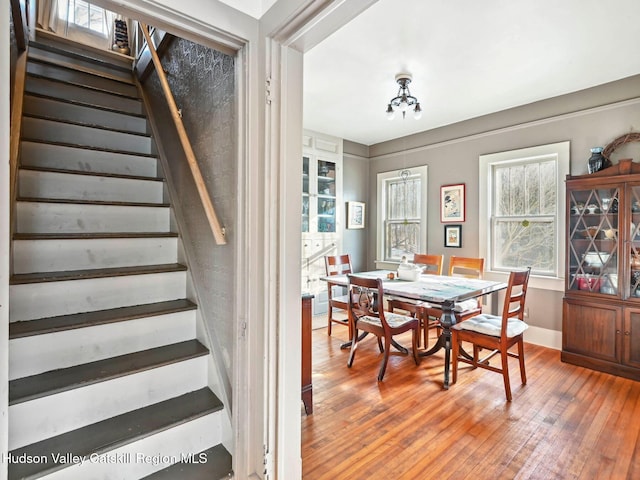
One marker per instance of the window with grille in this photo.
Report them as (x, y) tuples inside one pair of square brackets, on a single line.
[(402, 213), (522, 209)]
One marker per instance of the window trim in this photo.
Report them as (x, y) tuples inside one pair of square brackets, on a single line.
[(381, 213), (561, 150)]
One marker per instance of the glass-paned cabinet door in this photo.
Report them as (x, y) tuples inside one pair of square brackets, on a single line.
[(594, 240), (305, 194), (633, 205), (326, 189)]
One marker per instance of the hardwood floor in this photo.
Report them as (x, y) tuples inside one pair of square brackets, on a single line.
[(567, 423)]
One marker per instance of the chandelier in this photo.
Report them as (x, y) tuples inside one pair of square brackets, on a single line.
[(404, 100)]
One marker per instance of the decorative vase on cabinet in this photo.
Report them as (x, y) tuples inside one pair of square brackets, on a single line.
[(601, 305)]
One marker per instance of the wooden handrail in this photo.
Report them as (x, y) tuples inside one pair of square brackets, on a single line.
[(216, 228), (15, 129)]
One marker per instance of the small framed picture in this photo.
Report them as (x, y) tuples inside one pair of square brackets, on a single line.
[(355, 215), (453, 236), (452, 203)]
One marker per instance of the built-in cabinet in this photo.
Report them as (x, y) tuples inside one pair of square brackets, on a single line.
[(322, 211), (601, 309)]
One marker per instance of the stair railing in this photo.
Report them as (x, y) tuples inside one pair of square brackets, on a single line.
[(21, 33), (21, 30), (217, 230)]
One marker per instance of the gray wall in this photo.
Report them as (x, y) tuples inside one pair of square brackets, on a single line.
[(203, 84), (588, 118), (356, 188)]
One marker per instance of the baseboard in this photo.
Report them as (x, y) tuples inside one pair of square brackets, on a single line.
[(544, 337)]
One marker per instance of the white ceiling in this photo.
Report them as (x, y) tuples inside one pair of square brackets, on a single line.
[(467, 57)]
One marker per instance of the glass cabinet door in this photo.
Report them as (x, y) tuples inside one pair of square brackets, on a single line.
[(594, 240), (326, 189), (633, 205)]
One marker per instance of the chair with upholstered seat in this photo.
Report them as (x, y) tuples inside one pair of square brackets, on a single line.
[(432, 265), (366, 310), (469, 267), (337, 265), (497, 333)]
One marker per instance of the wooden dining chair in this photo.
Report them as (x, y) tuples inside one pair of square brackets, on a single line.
[(469, 267), (368, 315), (432, 266), (337, 265), (497, 333)]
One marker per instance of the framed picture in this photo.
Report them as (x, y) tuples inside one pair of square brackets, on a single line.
[(452, 203), (355, 215), (453, 236)]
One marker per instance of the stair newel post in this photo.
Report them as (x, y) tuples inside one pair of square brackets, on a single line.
[(214, 223)]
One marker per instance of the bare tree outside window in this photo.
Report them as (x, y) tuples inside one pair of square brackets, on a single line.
[(524, 217), (403, 218)]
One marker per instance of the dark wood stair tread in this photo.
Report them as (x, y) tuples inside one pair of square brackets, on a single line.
[(91, 235), (64, 379), (66, 275), (83, 86), (90, 202), (211, 464), (90, 174), (80, 103), (88, 147), (36, 58), (86, 125), (114, 432), (59, 323), (66, 52)]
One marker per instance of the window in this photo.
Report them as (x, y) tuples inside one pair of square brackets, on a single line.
[(521, 211), (402, 213), (84, 14)]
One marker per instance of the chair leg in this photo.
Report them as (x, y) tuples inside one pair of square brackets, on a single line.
[(455, 351), (416, 341), (523, 373), (354, 346), (380, 347), (385, 358), (505, 374), (329, 317)]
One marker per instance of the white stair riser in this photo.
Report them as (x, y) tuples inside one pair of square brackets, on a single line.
[(49, 299), (31, 256), (59, 156), (66, 59), (40, 353), (52, 131), (46, 107), (33, 421), (34, 217), (37, 184), (84, 95), (81, 78), (150, 454)]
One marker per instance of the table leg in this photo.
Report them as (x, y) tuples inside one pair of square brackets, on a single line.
[(447, 319)]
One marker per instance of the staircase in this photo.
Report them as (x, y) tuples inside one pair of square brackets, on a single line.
[(107, 377)]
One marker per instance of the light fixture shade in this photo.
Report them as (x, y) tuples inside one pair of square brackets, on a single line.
[(417, 112), (391, 114)]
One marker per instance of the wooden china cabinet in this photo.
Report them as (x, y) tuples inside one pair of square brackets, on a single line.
[(601, 307)]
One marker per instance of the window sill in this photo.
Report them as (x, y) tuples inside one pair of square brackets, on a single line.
[(535, 281)]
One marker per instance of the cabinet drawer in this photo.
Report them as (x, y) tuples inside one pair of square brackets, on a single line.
[(592, 329)]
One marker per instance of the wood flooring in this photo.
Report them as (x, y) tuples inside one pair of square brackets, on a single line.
[(568, 422)]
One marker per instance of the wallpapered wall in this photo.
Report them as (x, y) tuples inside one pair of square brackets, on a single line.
[(13, 56), (203, 84)]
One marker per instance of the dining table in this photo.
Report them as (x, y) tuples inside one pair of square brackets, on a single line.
[(436, 290)]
